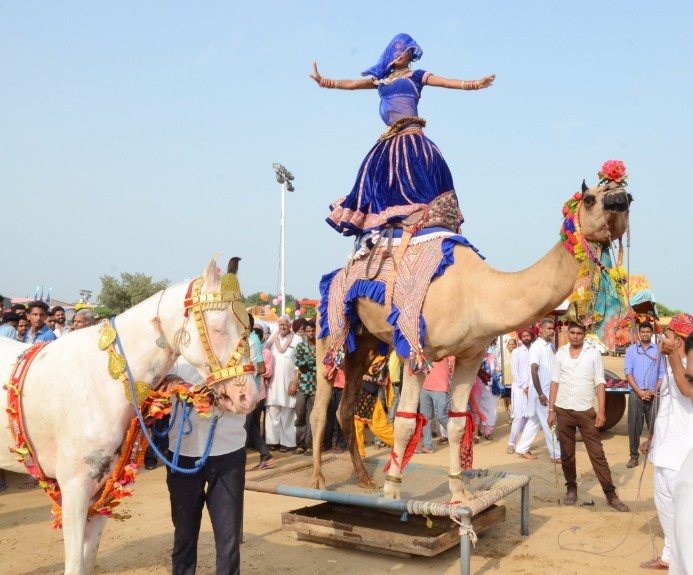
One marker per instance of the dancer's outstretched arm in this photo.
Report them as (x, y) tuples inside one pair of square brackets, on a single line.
[(362, 84), (441, 82)]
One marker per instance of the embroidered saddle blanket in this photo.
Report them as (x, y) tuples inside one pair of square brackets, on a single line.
[(427, 256)]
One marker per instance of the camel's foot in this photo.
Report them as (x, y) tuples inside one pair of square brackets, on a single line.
[(366, 482), (392, 489), (458, 490), (317, 481)]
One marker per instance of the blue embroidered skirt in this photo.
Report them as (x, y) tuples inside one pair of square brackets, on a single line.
[(401, 175)]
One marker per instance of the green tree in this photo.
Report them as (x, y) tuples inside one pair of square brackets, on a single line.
[(102, 311), (131, 289), (664, 311)]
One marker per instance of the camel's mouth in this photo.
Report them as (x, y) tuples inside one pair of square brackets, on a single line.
[(617, 201)]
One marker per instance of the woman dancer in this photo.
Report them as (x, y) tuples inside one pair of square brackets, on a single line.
[(404, 173)]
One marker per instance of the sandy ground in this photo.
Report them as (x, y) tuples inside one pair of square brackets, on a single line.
[(579, 540)]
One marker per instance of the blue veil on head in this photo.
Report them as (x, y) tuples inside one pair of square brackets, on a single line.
[(397, 46)]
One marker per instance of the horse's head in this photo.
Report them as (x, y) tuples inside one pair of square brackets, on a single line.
[(217, 335), (603, 212)]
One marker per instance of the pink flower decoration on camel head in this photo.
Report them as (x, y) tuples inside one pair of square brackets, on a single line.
[(613, 170)]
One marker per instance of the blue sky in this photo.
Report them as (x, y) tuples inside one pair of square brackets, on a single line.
[(140, 136)]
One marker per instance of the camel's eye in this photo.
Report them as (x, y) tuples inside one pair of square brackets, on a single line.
[(590, 200)]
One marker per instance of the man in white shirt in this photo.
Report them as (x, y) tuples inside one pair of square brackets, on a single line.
[(223, 476), (522, 379), (541, 367), (672, 442), (683, 494), (577, 371), (60, 321)]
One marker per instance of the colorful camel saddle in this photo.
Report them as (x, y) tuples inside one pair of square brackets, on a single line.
[(400, 283)]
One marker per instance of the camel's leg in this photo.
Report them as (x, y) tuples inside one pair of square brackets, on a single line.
[(75, 504), (404, 430), (92, 538), (355, 365), (320, 407), (462, 382)]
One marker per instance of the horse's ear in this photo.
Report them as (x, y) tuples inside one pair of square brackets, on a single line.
[(212, 281), (232, 268), (584, 187)]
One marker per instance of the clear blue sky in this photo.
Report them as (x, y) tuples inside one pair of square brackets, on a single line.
[(140, 136)]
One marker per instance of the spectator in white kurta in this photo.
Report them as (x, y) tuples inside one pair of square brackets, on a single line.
[(671, 441), (487, 402), (83, 318), (683, 494), (280, 417), (521, 380), (541, 368)]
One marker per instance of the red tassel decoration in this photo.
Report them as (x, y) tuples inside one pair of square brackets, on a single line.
[(467, 444), (421, 421)]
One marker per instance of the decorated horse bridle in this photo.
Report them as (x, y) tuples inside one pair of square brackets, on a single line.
[(197, 302)]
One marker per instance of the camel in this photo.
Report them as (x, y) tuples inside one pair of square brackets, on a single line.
[(487, 303), (76, 415)]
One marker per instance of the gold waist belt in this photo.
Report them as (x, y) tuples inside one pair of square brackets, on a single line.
[(401, 125)]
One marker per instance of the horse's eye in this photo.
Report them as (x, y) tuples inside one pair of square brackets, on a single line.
[(590, 200)]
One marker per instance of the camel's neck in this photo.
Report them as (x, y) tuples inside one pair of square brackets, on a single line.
[(525, 297), (145, 351)]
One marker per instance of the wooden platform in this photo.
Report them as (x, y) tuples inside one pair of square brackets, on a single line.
[(368, 529), (359, 519)]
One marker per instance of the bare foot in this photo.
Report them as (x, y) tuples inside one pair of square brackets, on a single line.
[(366, 482), (528, 455), (655, 564), (30, 483)]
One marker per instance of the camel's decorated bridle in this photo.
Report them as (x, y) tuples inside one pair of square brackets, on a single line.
[(196, 302)]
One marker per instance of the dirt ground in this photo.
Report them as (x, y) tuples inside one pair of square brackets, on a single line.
[(579, 540)]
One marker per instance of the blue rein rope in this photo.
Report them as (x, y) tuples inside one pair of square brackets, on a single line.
[(185, 418)]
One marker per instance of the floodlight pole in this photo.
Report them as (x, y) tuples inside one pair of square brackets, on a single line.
[(284, 177), (282, 287)]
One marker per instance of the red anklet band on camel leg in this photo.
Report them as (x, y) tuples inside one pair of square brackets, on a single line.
[(421, 421), (466, 446)]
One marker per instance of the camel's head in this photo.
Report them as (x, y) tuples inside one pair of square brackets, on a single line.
[(603, 211), (217, 328)]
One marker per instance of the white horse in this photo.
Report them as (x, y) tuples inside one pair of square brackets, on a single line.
[(76, 416)]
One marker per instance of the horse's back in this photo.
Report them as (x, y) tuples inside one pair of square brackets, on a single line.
[(71, 405)]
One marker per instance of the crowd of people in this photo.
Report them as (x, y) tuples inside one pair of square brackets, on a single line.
[(37, 322), (555, 392), (552, 391)]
